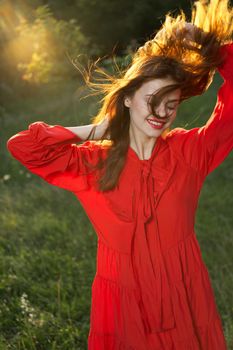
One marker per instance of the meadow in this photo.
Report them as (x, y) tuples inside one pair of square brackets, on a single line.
[(48, 246)]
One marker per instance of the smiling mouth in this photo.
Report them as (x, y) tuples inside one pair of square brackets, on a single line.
[(155, 124), (156, 121)]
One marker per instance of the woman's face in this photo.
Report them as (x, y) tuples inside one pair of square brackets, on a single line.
[(142, 121)]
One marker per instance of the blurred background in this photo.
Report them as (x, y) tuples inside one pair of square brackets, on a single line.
[(47, 245)]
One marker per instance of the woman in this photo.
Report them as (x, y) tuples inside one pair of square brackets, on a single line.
[(139, 183)]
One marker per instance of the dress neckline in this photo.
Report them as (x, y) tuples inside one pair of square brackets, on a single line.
[(133, 154)]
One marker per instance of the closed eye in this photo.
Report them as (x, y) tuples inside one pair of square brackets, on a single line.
[(171, 108)]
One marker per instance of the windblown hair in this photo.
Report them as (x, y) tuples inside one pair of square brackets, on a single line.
[(190, 62)]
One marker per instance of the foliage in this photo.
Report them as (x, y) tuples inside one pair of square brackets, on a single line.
[(122, 23), (49, 43), (112, 26), (38, 48)]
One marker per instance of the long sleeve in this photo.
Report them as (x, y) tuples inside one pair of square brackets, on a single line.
[(204, 148), (50, 152)]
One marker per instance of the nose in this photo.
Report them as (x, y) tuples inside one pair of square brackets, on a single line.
[(161, 111)]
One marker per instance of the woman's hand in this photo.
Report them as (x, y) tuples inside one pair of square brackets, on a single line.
[(183, 31), (186, 32)]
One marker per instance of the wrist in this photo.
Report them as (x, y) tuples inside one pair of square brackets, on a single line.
[(96, 132)]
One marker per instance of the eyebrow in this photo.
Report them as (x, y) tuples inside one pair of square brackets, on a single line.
[(174, 100)]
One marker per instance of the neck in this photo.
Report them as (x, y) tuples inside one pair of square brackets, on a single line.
[(142, 145)]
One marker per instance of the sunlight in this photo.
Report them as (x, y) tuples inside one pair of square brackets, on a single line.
[(26, 43), (10, 17)]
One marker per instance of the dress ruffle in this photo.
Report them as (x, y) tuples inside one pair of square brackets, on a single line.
[(114, 305), (210, 338)]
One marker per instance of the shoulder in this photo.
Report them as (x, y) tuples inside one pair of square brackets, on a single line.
[(95, 149), (177, 134), (185, 140), (96, 144), (181, 133), (93, 145)]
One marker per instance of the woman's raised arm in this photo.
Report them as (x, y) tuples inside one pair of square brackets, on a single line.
[(204, 148), (84, 131), (51, 152)]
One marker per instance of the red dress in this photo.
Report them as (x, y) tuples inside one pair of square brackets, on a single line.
[(152, 290)]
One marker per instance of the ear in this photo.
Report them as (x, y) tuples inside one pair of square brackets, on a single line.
[(127, 101)]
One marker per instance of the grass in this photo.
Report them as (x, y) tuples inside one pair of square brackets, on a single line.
[(48, 246)]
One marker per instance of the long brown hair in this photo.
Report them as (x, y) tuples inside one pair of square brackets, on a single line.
[(190, 63)]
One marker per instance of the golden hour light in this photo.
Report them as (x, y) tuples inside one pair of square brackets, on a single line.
[(27, 44), (10, 16)]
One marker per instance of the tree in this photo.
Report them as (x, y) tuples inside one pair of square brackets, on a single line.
[(50, 41), (116, 23)]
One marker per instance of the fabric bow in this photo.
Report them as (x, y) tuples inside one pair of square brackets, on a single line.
[(147, 260)]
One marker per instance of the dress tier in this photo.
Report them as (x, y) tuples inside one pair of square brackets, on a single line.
[(152, 289)]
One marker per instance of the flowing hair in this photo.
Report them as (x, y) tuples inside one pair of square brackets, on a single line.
[(190, 62)]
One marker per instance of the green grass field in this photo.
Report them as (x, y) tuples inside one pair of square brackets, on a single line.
[(48, 246)]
